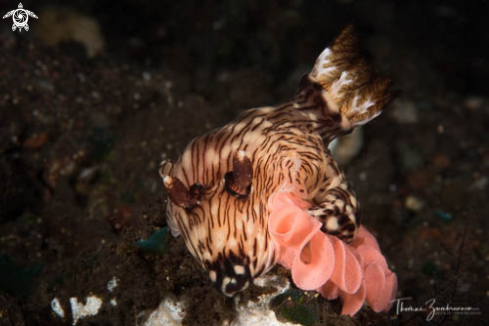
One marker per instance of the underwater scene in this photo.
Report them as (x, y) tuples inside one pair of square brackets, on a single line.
[(237, 163)]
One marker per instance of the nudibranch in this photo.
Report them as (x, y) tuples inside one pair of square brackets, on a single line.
[(220, 186)]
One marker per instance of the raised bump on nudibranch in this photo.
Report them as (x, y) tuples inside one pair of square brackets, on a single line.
[(238, 181), (213, 275)]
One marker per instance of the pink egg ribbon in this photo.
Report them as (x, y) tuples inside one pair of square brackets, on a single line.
[(354, 272)]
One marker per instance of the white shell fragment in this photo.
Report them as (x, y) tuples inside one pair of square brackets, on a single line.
[(252, 313), (57, 308), (170, 312), (80, 310), (112, 284), (91, 306)]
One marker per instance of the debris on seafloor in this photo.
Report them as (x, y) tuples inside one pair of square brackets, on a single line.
[(156, 244), (120, 217), (421, 178), (170, 312), (36, 140), (410, 158), (446, 217), (441, 161), (413, 203), (57, 308), (258, 312), (479, 184), (90, 308), (404, 112), (80, 310), (62, 24), (112, 284), (474, 102)]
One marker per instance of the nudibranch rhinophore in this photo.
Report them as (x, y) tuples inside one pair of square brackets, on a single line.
[(219, 188)]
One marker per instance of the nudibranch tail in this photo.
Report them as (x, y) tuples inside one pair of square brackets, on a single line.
[(351, 86)]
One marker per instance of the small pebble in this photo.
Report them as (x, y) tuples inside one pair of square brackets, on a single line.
[(57, 308), (421, 178), (404, 112), (414, 204), (146, 76), (474, 102), (112, 284), (81, 310), (480, 184), (441, 161), (410, 158), (362, 176), (36, 141), (446, 217)]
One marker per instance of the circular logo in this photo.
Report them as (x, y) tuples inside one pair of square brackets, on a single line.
[(20, 18)]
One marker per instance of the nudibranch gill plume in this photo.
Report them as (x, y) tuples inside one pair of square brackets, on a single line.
[(219, 188)]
